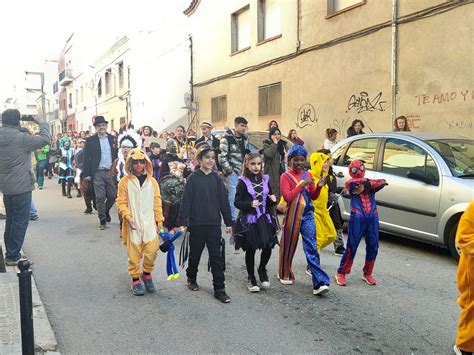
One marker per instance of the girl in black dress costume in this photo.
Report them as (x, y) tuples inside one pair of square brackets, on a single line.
[(256, 228)]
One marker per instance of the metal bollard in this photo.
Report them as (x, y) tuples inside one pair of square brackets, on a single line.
[(26, 308), (3, 269)]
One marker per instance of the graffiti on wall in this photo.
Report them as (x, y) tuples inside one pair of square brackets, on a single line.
[(363, 103), (457, 124), (414, 121), (306, 116), (445, 97)]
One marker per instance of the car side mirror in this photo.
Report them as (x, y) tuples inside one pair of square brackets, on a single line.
[(420, 175)]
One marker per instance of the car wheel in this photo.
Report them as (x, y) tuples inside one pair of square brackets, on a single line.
[(453, 248)]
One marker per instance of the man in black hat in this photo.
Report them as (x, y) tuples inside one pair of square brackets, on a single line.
[(100, 151)]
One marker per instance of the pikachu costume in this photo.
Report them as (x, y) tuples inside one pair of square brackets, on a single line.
[(142, 204), (325, 231), (465, 241)]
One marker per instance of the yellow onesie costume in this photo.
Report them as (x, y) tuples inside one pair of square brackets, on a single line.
[(325, 231), (465, 241), (142, 205)]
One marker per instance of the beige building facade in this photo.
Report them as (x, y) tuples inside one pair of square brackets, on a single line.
[(311, 65)]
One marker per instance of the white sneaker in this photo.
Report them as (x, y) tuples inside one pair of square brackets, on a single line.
[(321, 290), (286, 282), (252, 285), (266, 285)]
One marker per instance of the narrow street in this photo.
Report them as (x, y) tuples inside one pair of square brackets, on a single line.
[(81, 274)]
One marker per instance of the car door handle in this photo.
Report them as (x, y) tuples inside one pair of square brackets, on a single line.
[(340, 175)]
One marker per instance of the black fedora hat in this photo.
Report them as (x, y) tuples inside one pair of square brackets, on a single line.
[(98, 120)]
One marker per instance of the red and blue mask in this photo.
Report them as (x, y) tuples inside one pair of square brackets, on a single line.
[(357, 169)]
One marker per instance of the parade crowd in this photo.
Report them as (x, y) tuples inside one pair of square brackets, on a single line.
[(172, 184)]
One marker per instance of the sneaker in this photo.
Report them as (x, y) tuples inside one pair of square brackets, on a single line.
[(320, 290), (34, 218), (370, 280), (9, 262), (339, 250), (40, 187), (192, 285), (222, 296), (308, 272), (137, 288), (458, 351), (252, 284), (107, 217), (340, 279), (88, 210), (263, 276), (285, 282), (148, 281), (102, 226)]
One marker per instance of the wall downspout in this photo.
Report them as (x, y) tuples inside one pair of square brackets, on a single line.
[(298, 9), (394, 59)]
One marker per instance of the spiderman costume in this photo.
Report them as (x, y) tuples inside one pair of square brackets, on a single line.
[(364, 220)]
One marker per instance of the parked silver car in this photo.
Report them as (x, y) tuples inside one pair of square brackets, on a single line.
[(430, 177)]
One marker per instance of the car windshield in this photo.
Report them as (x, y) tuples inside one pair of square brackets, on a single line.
[(458, 154)]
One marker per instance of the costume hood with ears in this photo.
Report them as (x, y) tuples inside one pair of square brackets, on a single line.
[(138, 154), (316, 161), (357, 169)]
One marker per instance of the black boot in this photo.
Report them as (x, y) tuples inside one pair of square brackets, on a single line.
[(63, 187), (88, 209), (69, 191)]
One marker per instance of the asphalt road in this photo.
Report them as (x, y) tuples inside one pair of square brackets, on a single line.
[(81, 274)]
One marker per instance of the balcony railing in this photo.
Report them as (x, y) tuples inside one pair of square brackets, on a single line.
[(65, 77)]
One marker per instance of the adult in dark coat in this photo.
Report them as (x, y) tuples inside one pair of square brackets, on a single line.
[(274, 150), (100, 151)]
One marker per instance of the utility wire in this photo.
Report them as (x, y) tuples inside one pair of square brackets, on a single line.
[(425, 13)]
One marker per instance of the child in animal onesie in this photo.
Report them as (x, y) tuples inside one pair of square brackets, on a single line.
[(364, 221), (465, 242), (326, 233), (139, 204)]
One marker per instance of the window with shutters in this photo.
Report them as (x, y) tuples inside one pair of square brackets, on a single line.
[(269, 99), (219, 109)]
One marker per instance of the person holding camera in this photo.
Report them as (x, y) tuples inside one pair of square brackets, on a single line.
[(17, 178)]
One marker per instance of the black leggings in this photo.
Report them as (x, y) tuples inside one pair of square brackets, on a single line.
[(250, 259)]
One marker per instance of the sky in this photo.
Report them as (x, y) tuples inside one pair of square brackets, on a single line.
[(33, 31)]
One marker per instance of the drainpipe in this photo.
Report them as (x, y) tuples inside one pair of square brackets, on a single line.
[(394, 59), (298, 9)]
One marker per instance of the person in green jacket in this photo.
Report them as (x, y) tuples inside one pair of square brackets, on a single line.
[(42, 165)]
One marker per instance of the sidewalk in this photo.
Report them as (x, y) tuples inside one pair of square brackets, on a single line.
[(10, 327)]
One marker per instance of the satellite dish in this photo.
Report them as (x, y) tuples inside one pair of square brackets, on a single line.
[(187, 99)]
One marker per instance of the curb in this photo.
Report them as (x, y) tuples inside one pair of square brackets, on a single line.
[(45, 339)]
